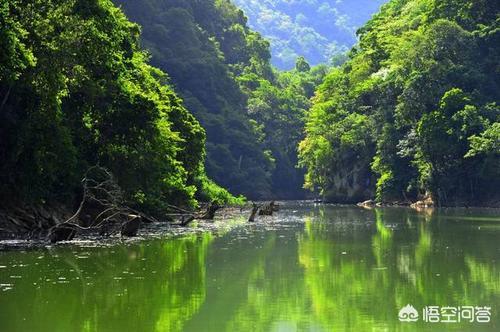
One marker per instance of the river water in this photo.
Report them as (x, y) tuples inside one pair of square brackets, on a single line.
[(309, 268)]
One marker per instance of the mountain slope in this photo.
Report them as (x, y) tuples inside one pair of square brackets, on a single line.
[(253, 115), (315, 29), (204, 46), (76, 91), (414, 112)]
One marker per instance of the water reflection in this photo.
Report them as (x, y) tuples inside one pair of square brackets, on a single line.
[(312, 268), (152, 286)]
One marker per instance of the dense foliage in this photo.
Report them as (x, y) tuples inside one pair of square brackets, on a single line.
[(253, 116), (202, 45), (316, 29), (413, 112), (76, 91), (415, 109), (279, 108)]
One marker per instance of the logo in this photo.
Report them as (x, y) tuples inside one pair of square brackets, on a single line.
[(408, 314), (446, 314)]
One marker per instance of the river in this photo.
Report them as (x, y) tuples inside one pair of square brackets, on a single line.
[(309, 268)]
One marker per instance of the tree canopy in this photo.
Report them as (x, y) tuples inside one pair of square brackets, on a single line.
[(253, 115), (76, 90), (320, 30), (414, 110), (185, 99)]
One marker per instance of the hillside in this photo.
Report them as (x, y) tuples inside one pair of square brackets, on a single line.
[(315, 29), (185, 99), (78, 91), (414, 112), (221, 69)]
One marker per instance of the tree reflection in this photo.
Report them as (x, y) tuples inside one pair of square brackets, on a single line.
[(363, 289), (156, 285), (336, 268)]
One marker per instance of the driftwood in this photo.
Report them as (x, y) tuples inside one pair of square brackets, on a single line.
[(263, 210), (102, 209), (186, 220), (268, 209), (186, 217), (210, 213), (255, 209), (103, 200)]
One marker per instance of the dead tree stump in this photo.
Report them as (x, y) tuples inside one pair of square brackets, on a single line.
[(131, 227), (62, 233), (255, 209), (268, 209), (210, 213)]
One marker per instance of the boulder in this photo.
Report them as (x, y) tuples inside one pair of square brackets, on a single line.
[(367, 204)]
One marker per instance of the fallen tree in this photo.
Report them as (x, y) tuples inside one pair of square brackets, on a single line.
[(102, 193), (102, 210)]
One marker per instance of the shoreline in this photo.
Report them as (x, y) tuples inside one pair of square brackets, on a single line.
[(11, 240), (148, 231), (428, 203)]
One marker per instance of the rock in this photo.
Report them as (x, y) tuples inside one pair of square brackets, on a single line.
[(107, 228), (427, 202), (367, 204), (131, 227)]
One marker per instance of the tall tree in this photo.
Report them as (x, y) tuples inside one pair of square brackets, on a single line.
[(412, 108)]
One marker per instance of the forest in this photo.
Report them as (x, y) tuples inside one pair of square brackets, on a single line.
[(253, 115), (249, 165), (414, 111), (181, 110), (179, 101), (320, 30)]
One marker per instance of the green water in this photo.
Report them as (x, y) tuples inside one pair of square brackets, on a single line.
[(311, 268)]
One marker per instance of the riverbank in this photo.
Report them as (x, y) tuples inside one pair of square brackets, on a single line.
[(225, 218), (428, 203), (30, 227), (19, 226)]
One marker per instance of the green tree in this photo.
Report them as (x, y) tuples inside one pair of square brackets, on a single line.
[(301, 65), (76, 91), (422, 77)]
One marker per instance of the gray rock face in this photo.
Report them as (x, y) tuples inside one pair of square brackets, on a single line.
[(352, 186)]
